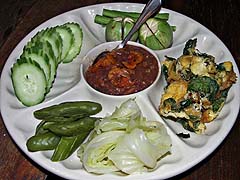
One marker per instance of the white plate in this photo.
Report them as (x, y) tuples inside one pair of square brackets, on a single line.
[(68, 86)]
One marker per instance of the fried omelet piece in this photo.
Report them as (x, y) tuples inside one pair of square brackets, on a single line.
[(196, 88)]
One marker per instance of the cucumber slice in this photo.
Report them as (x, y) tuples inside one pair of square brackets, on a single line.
[(67, 39), (77, 44), (45, 47), (37, 54), (29, 82), (53, 37), (53, 64)]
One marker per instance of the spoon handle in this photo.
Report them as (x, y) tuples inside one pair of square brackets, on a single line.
[(151, 8)]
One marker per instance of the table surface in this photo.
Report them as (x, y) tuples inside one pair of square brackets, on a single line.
[(19, 17)]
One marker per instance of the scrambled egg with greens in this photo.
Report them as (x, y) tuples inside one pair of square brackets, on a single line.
[(196, 88)]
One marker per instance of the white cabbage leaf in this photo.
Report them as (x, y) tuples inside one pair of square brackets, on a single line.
[(125, 142), (120, 118), (140, 150), (94, 154)]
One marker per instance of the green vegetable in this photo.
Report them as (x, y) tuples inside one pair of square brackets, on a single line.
[(185, 103), (171, 103), (156, 34), (42, 142), (140, 149), (190, 49), (67, 146), (29, 81), (62, 129), (185, 125), (77, 43), (95, 153), (36, 49), (225, 66), (206, 86), (218, 104), (34, 72), (124, 141), (165, 71), (102, 20), (67, 37), (135, 15), (118, 28), (190, 46), (73, 128), (121, 117), (63, 119), (75, 109), (40, 57), (40, 128)]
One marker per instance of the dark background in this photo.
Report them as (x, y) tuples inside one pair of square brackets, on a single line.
[(19, 17)]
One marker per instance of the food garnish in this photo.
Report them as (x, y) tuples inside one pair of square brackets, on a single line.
[(63, 127), (156, 33), (196, 88), (125, 142), (34, 72)]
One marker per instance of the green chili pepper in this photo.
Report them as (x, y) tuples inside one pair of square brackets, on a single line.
[(41, 142), (73, 128), (77, 109), (40, 129)]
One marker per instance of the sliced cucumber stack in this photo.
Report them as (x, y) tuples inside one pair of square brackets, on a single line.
[(34, 72)]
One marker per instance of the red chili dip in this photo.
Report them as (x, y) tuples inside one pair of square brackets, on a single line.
[(123, 71)]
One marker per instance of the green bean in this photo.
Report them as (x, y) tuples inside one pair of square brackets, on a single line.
[(73, 128), (103, 20), (42, 142), (67, 146), (116, 13), (77, 109)]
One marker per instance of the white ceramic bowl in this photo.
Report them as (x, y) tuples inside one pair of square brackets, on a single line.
[(108, 46)]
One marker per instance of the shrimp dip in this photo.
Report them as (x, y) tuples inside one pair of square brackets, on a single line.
[(123, 71)]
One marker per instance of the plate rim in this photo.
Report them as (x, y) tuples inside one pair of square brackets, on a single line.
[(113, 4)]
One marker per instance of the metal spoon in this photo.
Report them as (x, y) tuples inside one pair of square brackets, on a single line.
[(151, 8)]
